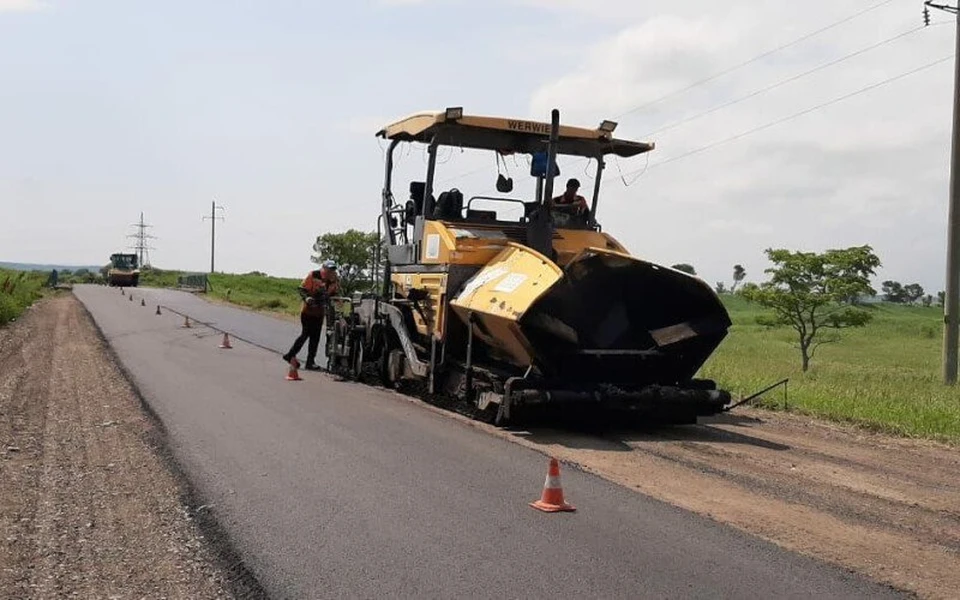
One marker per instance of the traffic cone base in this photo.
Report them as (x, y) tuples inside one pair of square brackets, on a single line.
[(292, 374), (552, 498), (226, 342), (541, 505)]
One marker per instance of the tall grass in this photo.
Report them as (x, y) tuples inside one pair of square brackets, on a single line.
[(253, 290), (18, 290), (152, 277), (885, 376), (260, 292)]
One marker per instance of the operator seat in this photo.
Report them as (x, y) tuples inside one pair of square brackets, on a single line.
[(449, 205), (417, 189)]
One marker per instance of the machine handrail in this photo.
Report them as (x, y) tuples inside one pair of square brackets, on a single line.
[(515, 200)]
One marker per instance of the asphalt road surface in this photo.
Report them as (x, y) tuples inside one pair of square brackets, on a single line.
[(332, 489)]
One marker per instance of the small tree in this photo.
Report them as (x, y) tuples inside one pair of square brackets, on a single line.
[(912, 292), (685, 268), (354, 253), (927, 300), (721, 288), (738, 275), (807, 291), (893, 292)]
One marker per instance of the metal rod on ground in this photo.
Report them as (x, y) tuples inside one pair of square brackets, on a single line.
[(782, 382)]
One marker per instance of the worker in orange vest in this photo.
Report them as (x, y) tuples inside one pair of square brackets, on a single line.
[(315, 291)]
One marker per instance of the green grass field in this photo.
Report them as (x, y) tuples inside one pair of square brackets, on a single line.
[(18, 290), (159, 278), (885, 376), (259, 292)]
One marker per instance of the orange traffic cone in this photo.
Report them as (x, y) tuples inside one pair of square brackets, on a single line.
[(186, 321), (226, 341), (552, 498), (292, 374), (158, 309)]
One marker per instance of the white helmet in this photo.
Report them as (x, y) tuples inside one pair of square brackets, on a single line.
[(330, 264)]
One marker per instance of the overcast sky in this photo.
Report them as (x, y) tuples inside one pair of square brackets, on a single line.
[(108, 109)]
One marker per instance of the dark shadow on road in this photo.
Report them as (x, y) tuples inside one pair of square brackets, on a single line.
[(731, 419), (578, 440), (697, 433), (610, 431)]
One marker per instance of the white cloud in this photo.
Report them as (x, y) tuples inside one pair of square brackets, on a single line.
[(871, 169), (646, 61), (21, 5)]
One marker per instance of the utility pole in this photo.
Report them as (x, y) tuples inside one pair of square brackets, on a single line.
[(213, 229), (141, 246), (951, 301)]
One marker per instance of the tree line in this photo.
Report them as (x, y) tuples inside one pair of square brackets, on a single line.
[(894, 292)]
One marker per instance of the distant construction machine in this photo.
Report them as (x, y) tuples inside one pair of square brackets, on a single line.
[(124, 270), (542, 306)]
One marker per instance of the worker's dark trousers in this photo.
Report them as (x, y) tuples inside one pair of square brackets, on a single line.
[(311, 326)]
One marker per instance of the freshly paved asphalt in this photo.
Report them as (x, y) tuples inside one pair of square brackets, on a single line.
[(332, 489), (271, 333)]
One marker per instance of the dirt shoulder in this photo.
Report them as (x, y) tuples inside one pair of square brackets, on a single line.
[(89, 506), (883, 506)]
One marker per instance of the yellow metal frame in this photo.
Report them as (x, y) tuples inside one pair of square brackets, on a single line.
[(421, 127), (449, 243)]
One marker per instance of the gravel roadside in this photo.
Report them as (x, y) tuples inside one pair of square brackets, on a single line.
[(90, 505)]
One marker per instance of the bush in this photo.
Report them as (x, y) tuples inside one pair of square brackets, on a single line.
[(18, 290)]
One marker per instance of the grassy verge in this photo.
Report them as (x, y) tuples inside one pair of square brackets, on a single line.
[(256, 291), (18, 290), (159, 278), (259, 292), (885, 376)]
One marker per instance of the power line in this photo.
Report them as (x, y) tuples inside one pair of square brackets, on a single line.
[(791, 79), (740, 66), (755, 58), (722, 73), (796, 115)]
